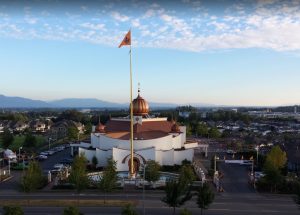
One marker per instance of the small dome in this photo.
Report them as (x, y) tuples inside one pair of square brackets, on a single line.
[(140, 106), (175, 128), (100, 128)]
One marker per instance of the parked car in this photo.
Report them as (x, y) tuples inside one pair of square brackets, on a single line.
[(42, 157), (229, 151), (57, 168), (67, 161), (59, 148), (44, 153), (51, 152)]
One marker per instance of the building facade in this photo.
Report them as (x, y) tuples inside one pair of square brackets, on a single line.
[(154, 139)]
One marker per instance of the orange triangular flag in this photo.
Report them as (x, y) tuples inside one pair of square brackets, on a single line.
[(127, 40)]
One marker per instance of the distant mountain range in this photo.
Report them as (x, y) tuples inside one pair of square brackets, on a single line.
[(19, 102)]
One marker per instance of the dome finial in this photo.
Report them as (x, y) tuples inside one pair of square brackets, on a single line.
[(139, 88)]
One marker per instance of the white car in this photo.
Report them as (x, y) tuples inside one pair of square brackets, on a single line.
[(57, 168), (42, 157), (50, 152), (44, 153), (58, 165)]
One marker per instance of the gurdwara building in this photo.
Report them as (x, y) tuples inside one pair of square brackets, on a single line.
[(153, 139)]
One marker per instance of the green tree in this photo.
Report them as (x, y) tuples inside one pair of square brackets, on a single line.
[(30, 141), (88, 128), (275, 161), (205, 197), (94, 161), (128, 210), (273, 176), (186, 175), (78, 175), (12, 210), (276, 158), (71, 211), (7, 138), (109, 178), (152, 173), (202, 130), (72, 133), (214, 133), (177, 193), (33, 178), (185, 212)]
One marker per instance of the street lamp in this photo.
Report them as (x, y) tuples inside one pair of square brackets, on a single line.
[(215, 163), (49, 139), (257, 148), (19, 152)]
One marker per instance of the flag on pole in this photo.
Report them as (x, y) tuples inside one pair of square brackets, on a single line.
[(127, 40)]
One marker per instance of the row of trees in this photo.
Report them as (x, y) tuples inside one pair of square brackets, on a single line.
[(202, 130), (178, 191)]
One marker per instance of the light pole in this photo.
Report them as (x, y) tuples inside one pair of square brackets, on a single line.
[(19, 153), (49, 139), (215, 163), (257, 148), (9, 166), (144, 211)]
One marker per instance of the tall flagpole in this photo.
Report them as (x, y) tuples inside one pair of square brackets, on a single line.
[(131, 123)]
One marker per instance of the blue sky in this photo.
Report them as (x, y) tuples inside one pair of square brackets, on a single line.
[(224, 53)]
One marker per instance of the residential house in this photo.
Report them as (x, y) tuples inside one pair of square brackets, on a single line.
[(59, 130), (38, 126), (19, 126)]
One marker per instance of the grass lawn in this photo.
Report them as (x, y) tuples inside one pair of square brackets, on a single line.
[(19, 139)]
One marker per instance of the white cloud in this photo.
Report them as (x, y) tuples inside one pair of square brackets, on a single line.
[(271, 25), (117, 16), (135, 23), (92, 26)]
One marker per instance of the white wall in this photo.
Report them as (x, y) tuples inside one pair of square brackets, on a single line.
[(179, 156), (183, 130), (191, 145), (119, 155), (163, 143), (89, 154), (167, 157), (102, 156), (176, 141)]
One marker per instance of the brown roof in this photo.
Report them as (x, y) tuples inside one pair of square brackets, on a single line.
[(147, 135), (148, 130), (117, 126)]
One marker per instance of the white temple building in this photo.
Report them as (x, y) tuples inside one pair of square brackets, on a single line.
[(154, 139)]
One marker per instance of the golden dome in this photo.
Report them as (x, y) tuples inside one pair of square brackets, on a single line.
[(140, 106)]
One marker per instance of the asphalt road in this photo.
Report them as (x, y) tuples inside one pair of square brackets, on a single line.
[(224, 204), (48, 164), (12, 185), (235, 178)]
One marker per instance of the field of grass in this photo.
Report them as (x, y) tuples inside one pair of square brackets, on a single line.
[(19, 139)]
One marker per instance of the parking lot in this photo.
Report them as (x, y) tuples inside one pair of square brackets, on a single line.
[(48, 164)]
